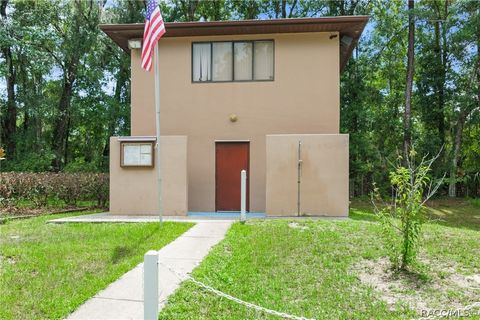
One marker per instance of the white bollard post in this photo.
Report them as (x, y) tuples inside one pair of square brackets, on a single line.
[(150, 285), (243, 196)]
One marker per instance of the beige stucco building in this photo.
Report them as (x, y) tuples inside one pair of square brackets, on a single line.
[(256, 95)]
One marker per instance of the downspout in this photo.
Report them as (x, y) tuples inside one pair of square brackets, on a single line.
[(299, 175)]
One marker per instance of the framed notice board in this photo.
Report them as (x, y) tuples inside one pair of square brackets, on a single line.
[(136, 154)]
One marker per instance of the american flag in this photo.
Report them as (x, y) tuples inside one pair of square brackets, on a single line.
[(154, 29)]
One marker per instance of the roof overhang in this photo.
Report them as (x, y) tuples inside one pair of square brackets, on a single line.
[(349, 27)]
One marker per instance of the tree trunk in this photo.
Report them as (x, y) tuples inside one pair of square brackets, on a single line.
[(70, 69), (439, 82), (407, 135), (67, 136), (189, 8), (478, 62), (9, 125), (289, 14), (60, 127), (252, 10), (121, 79), (452, 188)]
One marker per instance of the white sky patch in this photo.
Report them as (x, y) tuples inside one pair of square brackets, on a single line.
[(3, 88), (55, 73), (109, 86)]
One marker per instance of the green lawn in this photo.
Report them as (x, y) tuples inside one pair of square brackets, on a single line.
[(28, 207), (314, 268), (56, 204), (458, 213), (48, 270)]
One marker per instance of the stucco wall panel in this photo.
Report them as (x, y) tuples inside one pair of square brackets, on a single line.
[(133, 190), (324, 175), (303, 98)]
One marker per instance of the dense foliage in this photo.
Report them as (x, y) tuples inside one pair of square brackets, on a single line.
[(40, 189), (65, 86)]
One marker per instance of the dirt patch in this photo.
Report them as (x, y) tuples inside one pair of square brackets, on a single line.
[(441, 287), (295, 225), (466, 281), (7, 260)]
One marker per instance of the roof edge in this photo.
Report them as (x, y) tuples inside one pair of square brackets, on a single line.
[(251, 22), (351, 26)]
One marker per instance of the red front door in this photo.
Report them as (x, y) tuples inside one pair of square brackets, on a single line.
[(230, 159)]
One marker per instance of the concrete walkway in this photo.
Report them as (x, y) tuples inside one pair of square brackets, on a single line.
[(123, 299)]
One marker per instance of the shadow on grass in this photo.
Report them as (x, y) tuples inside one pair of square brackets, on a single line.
[(120, 253), (123, 252), (454, 213), (356, 214)]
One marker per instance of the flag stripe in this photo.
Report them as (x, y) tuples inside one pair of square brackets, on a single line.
[(152, 37), (154, 30), (151, 42)]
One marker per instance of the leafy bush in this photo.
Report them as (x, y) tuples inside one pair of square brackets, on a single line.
[(474, 202), (403, 217), (39, 188), (31, 162), (80, 165)]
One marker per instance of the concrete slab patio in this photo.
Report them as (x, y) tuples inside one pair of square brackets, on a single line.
[(195, 217), (123, 299)]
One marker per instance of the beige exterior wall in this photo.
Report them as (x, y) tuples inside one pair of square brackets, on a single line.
[(323, 179), (133, 191), (303, 98)]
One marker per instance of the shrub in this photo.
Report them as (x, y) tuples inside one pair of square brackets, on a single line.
[(80, 165), (31, 162), (402, 219), (39, 188), (7, 192), (475, 202)]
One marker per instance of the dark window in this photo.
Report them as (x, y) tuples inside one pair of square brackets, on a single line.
[(225, 61)]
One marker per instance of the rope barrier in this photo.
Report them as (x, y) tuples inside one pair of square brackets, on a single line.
[(187, 277), (221, 294)]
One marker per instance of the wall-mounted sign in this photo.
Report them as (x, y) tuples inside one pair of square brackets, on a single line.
[(136, 154)]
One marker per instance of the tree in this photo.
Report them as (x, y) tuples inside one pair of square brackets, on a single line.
[(467, 98), (246, 9), (65, 86), (407, 115), (76, 34), (403, 218), (9, 121)]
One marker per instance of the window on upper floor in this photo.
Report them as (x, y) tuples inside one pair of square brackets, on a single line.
[(225, 61)]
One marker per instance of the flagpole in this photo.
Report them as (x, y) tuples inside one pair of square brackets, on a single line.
[(157, 127)]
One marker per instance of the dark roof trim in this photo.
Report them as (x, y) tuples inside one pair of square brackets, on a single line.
[(351, 26)]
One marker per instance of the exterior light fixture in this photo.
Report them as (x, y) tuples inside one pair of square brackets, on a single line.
[(346, 40), (134, 44)]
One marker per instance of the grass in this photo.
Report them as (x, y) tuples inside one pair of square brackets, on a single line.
[(310, 268), (456, 212), (55, 203), (474, 202), (48, 270)]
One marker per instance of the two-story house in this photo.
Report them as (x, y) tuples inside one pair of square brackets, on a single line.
[(259, 95)]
